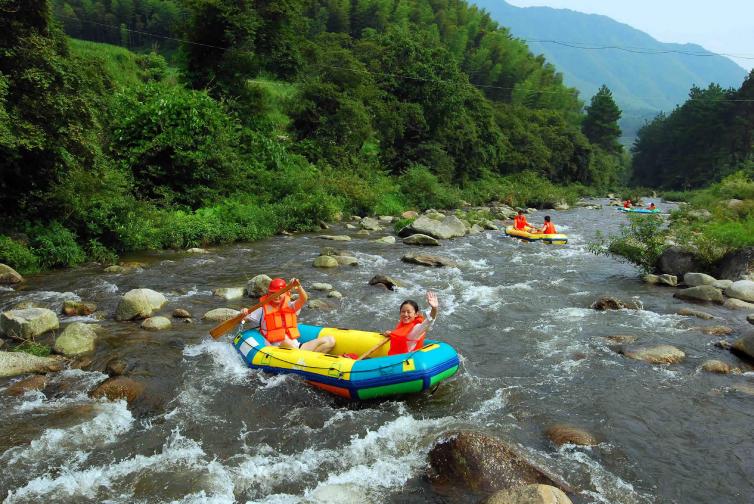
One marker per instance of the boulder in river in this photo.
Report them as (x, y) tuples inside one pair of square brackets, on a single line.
[(421, 239), (529, 494), (18, 363), (705, 293), (611, 303), (696, 279), (736, 265), (319, 304), (370, 224), (119, 387), (450, 227), (181, 313), (677, 261), (722, 284), (258, 285), (325, 262), (428, 260), (28, 323), (688, 312), (220, 314), (229, 293), (745, 346), (741, 289), (568, 434), (482, 463), (156, 324), (621, 339), (76, 339), (343, 260), (489, 225), (335, 295), (737, 304), (385, 280), (139, 304), (80, 308), (335, 237), (718, 330), (410, 214), (9, 276), (716, 366), (389, 240), (658, 354), (320, 286), (197, 250), (35, 382)]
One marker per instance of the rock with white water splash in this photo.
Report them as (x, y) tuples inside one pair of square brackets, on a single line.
[(483, 464), (688, 312), (18, 363), (9, 276), (385, 280), (229, 293), (80, 308), (370, 224), (450, 227), (320, 286), (220, 314), (258, 285), (429, 260), (156, 324), (568, 434), (737, 304), (697, 279), (335, 237), (119, 387), (529, 494), (742, 289), (139, 304), (421, 239), (346, 260), (610, 303), (76, 339), (181, 313), (325, 262), (658, 354), (705, 293), (716, 366), (389, 240), (36, 382), (745, 346), (28, 323)]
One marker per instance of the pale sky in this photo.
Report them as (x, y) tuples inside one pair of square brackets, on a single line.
[(721, 26)]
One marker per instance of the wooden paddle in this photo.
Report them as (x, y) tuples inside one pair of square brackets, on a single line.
[(229, 324), (373, 349)]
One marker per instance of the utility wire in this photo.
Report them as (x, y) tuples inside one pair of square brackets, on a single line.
[(384, 74)]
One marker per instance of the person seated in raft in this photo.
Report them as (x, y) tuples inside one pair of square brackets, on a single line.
[(408, 334), (627, 203), (519, 222), (651, 207), (278, 323), (548, 227)]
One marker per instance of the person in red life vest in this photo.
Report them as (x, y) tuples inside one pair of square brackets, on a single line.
[(652, 207), (408, 334), (278, 321), (627, 203), (548, 227), (519, 222)]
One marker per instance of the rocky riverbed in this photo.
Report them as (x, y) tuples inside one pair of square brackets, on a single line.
[(578, 378)]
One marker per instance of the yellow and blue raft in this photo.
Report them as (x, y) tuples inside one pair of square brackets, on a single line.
[(378, 376), (550, 239)]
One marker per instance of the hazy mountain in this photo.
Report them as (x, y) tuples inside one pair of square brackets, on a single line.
[(642, 84)]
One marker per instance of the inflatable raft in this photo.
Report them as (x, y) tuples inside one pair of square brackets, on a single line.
[(639, 210), (379, 375), (550, 239)]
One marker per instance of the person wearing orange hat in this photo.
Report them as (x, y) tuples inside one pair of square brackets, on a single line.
[(278, 319)]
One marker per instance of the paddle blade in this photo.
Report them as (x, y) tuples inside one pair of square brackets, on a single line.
[(226, 326)]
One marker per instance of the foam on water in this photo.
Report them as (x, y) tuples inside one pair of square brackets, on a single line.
[(227, 364), (608, 488)]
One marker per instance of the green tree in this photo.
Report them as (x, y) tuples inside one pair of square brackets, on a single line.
[(601, 122)]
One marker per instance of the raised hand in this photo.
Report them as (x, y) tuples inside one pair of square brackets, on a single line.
[(432, 300)]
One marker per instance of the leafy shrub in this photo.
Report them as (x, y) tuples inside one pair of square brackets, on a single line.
[(423, 189), (97, 252), (640, 242), (153, 66), (55, 246), (17, 256)]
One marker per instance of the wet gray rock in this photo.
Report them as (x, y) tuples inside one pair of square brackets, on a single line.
[(670, 280), (489, 225), (476, 229), (9, 276), (428, 260), (737, 304), (18, 363), (320, 286), (677, 261), (319, 304), (385, 280), (658, 354), (697, 279), (363, 232), (568, 434), (139, 304), (386, 219), (115, 268), (335, 237), (389, 240), (421, 239), (343, 260), (370, 224), (332, 251), (722, 284), (529, 494), (718, 330), (745, 346), (736, 265), (561, 206), (705, 293), (197, 250), (181, 313), (351, 226), (28, 323), (36, 382), (335, 295), (716, 366), (325, 262), (651, 279), (229, 293), (220, 314), (156, 324), (76, 339), (81, 308), (741, 289), (611, 303), (688, 312), (482, 463), (450, 227)]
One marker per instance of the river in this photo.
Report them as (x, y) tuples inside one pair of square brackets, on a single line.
[(533, 354)]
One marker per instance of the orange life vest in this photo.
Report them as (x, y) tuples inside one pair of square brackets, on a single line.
[(549, 228), (399, 337), (627, 204), (280, 322), (519, 222)]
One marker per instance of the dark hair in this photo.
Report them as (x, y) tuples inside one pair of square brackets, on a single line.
[(520, 212), (412, 303), (547, 218)]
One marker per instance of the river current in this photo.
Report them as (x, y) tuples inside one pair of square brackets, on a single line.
[(533, 354)]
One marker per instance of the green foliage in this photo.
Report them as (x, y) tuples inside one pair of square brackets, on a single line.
[(601, 122), (640, 242), (55, 246), (33, 348), (17, 255), (401, 223), (424, 190)]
